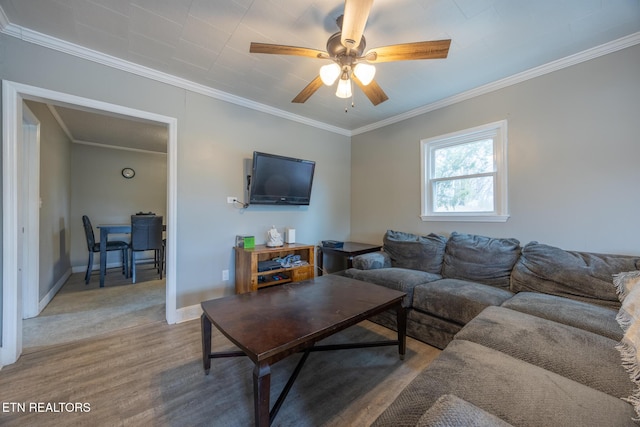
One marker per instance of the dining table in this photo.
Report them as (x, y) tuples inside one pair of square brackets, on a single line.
[(105, 230)]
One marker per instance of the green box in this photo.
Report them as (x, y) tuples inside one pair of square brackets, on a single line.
[(249, 242)]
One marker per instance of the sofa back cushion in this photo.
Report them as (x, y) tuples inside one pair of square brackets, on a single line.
[(408, 250), (481, 259), (583, 276)]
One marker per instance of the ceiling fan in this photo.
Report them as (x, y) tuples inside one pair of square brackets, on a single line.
[(349, 61)]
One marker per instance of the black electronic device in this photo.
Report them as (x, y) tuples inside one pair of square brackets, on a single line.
[(332, 244), (280, 180), (268, 265)]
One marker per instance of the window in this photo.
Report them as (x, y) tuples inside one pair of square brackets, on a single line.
[(464, 175)]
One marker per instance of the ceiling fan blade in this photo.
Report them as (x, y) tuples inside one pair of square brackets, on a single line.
[(308, 91), (403, 52), (373, 91), (356, 13), (278, 49)]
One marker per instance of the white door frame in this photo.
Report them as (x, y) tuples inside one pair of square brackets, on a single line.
[(12, 110), (30, 211)]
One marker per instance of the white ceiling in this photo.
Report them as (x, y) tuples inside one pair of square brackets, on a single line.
[(206, 42), (90, 127)]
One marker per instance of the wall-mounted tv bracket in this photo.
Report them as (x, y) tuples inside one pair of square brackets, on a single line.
[(244, 204)]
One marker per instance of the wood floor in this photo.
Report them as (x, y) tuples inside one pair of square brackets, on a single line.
[(151, 375)]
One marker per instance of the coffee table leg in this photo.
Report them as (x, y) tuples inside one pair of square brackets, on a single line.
[(402, 330), (261, 390), (206, 343)]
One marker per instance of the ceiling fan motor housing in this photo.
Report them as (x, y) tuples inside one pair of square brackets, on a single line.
[(337, 50)]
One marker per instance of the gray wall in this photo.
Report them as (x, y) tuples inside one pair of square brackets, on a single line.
[(99, 191), (55, 196), (214, 139), (79, 179), (573, 160)]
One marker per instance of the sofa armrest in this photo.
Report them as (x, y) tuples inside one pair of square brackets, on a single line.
[(372, 261)]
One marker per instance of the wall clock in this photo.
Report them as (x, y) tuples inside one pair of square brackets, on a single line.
[(128, 173)]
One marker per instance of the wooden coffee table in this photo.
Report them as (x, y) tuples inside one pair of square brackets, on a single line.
[(273, 323)]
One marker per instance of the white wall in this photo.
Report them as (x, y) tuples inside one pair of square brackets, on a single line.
[(573, 160), (214, 138)]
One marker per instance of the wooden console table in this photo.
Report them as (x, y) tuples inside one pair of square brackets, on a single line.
[(249, 279), (348, 251)]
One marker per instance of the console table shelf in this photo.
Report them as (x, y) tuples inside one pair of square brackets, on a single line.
[(249, 279)]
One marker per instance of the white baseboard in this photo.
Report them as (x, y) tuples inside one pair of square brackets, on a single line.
[(52, 293), (185, 314), (96, 266)]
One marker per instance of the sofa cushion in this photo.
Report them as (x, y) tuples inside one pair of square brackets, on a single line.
[(400, 279), (414, 252), (433, 330), (582, 356), (451, 411), (457, 300), (480, 259), (583, 276), (590, 317), (515, 391)]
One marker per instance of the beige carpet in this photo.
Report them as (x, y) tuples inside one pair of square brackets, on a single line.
[(81, 311)]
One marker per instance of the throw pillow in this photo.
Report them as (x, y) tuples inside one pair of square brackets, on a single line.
[(625, 282), (629, 319)]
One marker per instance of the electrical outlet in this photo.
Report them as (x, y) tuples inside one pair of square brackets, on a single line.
[(225, 274), (231, 199)]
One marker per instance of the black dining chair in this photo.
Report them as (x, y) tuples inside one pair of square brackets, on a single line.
[(93, 247), (146, 235), (156, 257)]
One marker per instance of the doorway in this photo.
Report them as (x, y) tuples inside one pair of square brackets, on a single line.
[(13, 236)]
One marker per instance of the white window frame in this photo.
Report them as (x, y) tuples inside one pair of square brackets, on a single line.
[(496, 131)]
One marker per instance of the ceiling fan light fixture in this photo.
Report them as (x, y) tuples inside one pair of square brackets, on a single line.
[(329, 73), (344, 88), (346, 49), (364, 72)]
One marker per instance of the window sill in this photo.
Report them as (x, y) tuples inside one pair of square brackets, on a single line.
[(466, 218)]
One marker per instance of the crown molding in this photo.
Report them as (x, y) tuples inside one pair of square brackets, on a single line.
[(4, 20), (35, 37), (532, 73), (116, 147), (44, 40), (54, 112)]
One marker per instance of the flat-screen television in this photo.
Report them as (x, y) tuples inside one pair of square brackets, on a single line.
[(280, 180)]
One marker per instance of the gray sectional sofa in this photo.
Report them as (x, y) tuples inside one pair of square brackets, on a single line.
[(529, 332)]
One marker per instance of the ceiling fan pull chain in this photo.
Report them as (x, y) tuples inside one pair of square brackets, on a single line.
[(353, 95)]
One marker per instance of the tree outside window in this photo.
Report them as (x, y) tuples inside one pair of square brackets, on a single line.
[(464, 175)]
